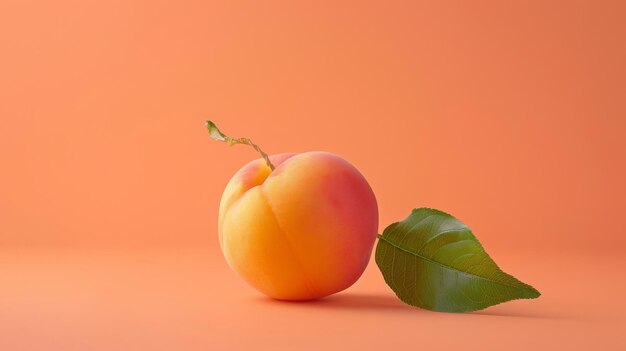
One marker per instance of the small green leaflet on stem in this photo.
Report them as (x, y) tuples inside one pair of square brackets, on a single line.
[(215, 133), (433, 261)]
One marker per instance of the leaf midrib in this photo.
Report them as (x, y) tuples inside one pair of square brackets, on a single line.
[(448, 267)]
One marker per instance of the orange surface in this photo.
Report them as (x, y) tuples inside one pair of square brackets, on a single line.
[(509, 115)]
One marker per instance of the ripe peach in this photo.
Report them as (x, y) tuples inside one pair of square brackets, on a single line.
[(302, 231)]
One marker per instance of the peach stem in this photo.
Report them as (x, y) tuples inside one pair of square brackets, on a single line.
[(216, 134)]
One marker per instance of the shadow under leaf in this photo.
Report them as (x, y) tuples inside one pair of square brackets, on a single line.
[(391, 304)]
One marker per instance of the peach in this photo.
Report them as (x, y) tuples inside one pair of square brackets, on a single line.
[(301, 231)]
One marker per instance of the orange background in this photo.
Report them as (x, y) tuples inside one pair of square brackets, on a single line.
[(509, 115)]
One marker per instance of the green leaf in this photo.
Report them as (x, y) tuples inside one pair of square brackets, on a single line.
[(433, 261)]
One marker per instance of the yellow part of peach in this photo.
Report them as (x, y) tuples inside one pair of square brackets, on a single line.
[(303, 231)]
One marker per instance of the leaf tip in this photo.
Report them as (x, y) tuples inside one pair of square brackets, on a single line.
[(534, 293)]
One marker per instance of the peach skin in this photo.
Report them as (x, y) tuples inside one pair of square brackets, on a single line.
[(297, 226)]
